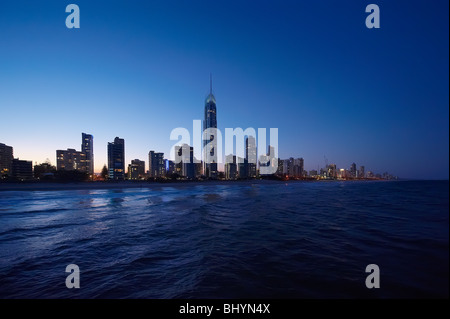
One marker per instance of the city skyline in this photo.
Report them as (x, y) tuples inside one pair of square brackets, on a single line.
[(184, 164), (87, 154), (246, 167), (351, 101)]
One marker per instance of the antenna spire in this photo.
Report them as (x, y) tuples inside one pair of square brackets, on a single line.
[(210, 83)]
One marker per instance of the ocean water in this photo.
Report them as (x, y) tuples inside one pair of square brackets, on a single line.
[(228, 240)]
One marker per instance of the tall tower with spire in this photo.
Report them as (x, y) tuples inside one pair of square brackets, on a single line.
[(210, 144)]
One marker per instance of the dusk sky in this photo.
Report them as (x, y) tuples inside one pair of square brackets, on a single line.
[(138, 69)]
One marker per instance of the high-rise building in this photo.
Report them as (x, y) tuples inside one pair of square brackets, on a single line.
[(251, 156), (210, 145), (230, 167), (22, 170), (156, 164), (332, 171), (70, 159), (352, 172), (140, 167), (6, 158), (87, 147), (268, 164), (132, 173), (362, 172), (136, 170), (313, 173), (280, 167), (198, 167), (298, 167), (184, 159), (270, 151), (169, 167), (242, 167), (290, 167), (116, 159), (287, 164)]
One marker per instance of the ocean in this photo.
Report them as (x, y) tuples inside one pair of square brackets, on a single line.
[(248, 239)]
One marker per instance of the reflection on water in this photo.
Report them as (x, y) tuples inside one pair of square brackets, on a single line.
[(227, 241)]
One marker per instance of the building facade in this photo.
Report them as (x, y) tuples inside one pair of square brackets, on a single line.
[(298, 167), (230, 167), (22, 170), (136, 170), (353, 173), (87, 147), (169, 167), (210, 143), (6, 158), (184, 161), (141, 167), (70, 159), (156, 164), (251, 156), (116, 159), (362, 173)]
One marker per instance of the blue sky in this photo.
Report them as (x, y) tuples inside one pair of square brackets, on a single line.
[(138, 69)]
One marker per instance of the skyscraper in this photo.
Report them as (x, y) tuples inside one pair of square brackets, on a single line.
[(169, 167), (87, 147), (353, 170), (362, 173), (298, 167), (116, 159), (250, 156), (156, 164), (141, 167), (230, 167), (6, 157), (210, 145), (332, 171), (268, 164), (184, 159), (71, 159)]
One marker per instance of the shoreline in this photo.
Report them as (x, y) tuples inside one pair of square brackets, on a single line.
[(52, 186)]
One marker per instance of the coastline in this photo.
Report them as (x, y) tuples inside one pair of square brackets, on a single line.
[(54, 186)]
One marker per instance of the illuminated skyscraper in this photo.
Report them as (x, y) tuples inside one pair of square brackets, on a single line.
[(250, 156), (298, 167), (184, 161), (87, 147), (230, 167), (362, 173), (116, 159), (353, 170), (210, 144), (156, 164)]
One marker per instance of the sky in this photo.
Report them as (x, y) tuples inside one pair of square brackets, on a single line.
[(312, 69)]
